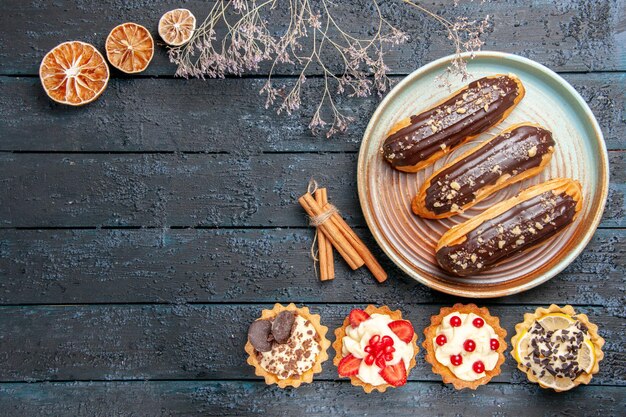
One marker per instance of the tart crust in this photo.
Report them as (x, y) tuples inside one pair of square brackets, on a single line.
[(446, 374), (296, 380), (340, 333), (596, 339)]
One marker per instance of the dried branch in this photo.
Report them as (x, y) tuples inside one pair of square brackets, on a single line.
[(235, 38)]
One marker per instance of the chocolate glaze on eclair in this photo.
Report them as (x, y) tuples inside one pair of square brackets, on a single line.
[(509, 227), (519, 152), (419, 140)]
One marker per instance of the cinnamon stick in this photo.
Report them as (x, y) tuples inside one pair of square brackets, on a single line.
[(325, 249), (372, 264), (332, 232)]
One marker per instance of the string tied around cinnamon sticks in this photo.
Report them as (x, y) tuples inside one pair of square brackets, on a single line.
[(333, 231)]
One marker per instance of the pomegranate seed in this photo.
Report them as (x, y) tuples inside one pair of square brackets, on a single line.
[(494, 344), (368, 349), (478, 322), (387, 341), (388, 356), (455, 321), (369, 360), (388, 349), (478, 367), (441, 340), (469, 345), (374, 339), (456, 360)]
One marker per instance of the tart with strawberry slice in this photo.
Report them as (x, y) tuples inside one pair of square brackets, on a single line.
[(287, 345), (375, 348), (465, 345), (557, 348)]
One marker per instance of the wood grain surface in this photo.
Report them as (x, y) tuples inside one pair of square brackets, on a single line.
[(176, 115), (321, 399), (141, 234)]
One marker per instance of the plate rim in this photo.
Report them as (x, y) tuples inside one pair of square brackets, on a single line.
[(452, 288)]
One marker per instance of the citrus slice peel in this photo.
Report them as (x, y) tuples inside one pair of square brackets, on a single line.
[(177, 26), (130, 47), (74, 73)]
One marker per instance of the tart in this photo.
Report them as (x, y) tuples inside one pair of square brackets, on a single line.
[(465, 345), (287, 345), (557, 348), (375, 348)]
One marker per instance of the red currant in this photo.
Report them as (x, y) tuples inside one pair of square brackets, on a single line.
[(380, 362), (469, 345), (478, 367), (379, 350), (455, 321), (478, 322), (441, 340), (456, 360), (494, 344)]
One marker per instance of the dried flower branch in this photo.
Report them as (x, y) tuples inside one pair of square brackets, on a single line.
[(236, 37), (465, 35)]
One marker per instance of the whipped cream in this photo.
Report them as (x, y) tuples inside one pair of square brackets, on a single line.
[(296, 356), (455, 339), (358, 338)]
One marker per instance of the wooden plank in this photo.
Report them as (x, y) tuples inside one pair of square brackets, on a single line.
[(77, 190), (229, 398), (165, 115), (576, 36), (122, 342), (164, 265)]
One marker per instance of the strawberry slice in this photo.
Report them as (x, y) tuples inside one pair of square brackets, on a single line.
[(394, 375), (357, 316), (403, 329), (349, 365)]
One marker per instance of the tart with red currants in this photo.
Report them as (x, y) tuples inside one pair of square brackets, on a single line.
[(287, 345), (465, 345), (375, 348)]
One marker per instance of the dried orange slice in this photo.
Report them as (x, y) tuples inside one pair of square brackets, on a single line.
[(130, 47), (176, 27), (74, 73)]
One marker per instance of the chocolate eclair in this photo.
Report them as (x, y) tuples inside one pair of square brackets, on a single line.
[(417, 141), (520, 152), (509, 227)]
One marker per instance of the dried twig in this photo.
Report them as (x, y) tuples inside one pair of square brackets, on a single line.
[(235, 38)]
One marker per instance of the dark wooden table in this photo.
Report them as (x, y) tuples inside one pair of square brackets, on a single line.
[(141, 234)]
